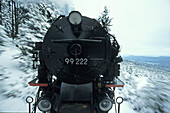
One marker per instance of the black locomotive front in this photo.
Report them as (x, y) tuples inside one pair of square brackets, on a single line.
[(77, 49), (77, 66)]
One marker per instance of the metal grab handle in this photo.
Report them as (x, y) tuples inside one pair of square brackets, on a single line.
[(29, 100)]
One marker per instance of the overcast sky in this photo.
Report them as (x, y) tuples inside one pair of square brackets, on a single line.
[(142, 27)]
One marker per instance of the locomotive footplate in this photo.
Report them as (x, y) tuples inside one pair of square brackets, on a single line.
[(116, 82), (75, 108), (35, 82)]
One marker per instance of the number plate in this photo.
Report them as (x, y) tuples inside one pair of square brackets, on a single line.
[(76, 61)]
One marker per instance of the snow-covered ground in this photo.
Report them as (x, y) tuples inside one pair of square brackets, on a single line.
[(13, 78), (146, 87), (15, 55)]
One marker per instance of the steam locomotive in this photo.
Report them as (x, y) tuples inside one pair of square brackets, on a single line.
[(78, 67)]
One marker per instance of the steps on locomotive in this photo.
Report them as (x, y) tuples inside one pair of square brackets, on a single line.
[(75, 108)]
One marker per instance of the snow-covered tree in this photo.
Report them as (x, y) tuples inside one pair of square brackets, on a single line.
[(105, 19), (0, 12)]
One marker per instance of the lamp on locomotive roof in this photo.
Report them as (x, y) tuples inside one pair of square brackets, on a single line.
[(75, 20)]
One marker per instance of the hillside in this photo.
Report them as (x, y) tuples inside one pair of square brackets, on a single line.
[(161, 61)]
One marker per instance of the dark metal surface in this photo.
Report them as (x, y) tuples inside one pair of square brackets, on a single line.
[(71, 92), (92, 43), (71, 40), (76, 98)]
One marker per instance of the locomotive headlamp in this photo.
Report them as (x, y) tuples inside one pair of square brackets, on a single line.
[(105, 104), (44, 104), (75, 18)]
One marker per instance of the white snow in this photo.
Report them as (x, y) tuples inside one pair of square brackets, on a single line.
[(14, 88), (146, 87)]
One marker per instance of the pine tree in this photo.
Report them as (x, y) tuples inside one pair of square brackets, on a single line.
[(105, 19), (16, 18), (12, 34), (0, 12)]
